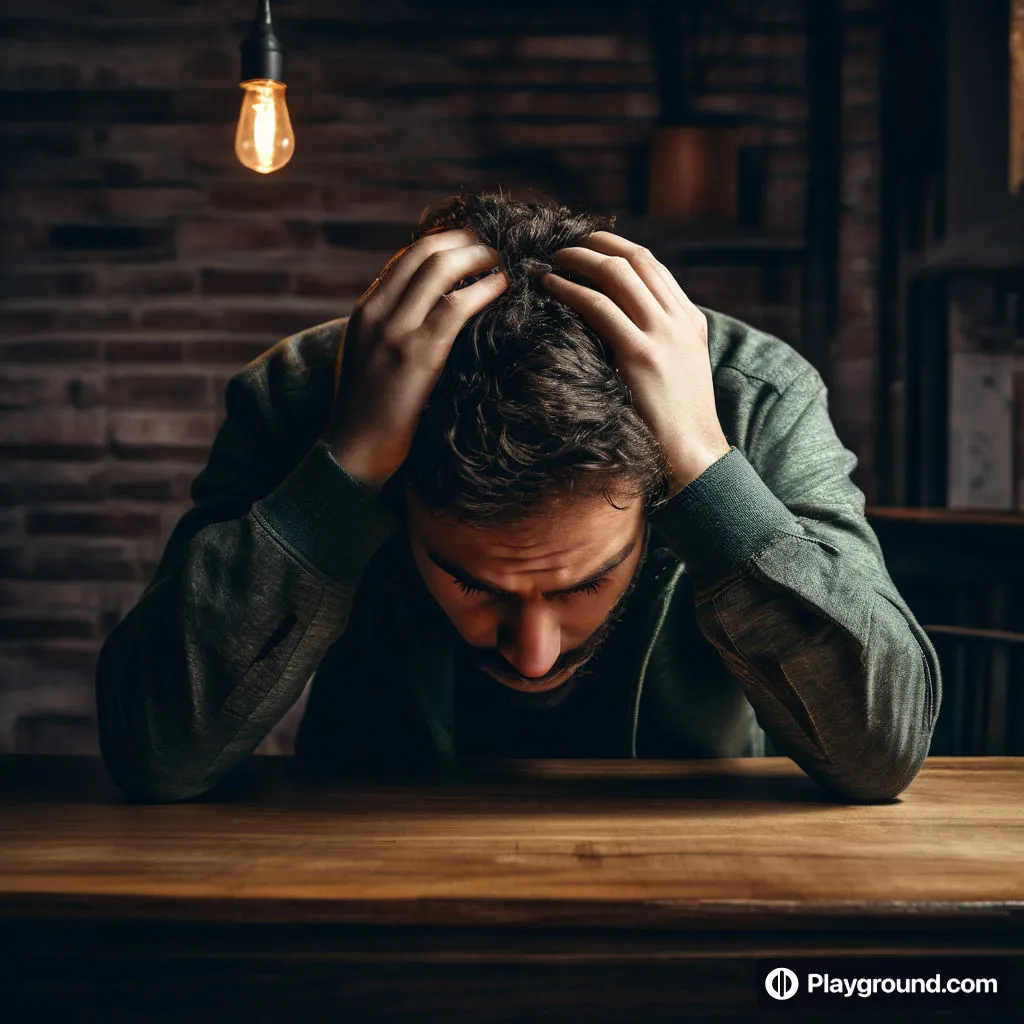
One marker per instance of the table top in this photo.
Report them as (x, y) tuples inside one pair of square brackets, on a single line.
[(706, 844)]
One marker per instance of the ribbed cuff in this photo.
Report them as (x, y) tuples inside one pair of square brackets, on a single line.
[(719, 521), (327, 517)]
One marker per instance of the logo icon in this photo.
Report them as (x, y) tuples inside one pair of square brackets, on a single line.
[(782, 983)]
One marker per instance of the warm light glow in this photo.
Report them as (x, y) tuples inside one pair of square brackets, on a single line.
[(264, 140)]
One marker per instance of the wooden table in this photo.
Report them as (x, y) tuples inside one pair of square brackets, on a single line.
[(600, 890)]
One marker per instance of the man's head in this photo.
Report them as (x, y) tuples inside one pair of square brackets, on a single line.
[(531, 473)]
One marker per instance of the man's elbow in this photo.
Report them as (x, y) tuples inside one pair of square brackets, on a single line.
[(879, 774), (145, 785)]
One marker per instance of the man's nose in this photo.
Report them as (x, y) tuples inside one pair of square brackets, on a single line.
[(532, 640)]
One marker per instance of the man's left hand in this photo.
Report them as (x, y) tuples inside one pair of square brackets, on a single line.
[(658, 339)]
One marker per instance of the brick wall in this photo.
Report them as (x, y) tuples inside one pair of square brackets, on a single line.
[(143, 265)]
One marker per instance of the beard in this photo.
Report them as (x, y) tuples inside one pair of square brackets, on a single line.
[(576, 658)]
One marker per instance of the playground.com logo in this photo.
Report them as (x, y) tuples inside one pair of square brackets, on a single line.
[(782, 983), (830, 985)]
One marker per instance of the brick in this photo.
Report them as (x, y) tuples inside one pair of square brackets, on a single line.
[(594, 74), (216, 66), (52, 732), (148, 485), (45, 628), (278, 323), (99, 202), (329, 284), (857, 302), (556, 135), (29, 482), (12, 522), (108, 561), (66, 655), (47, 350), (576, 104), (27, 392), (54, 434), (163, 390), (14, 561), (147, 284), (180, 318), (860, 124), (567, 48), (382, 236), (144, 351), (858, 235), (81, 318), (227, 282), (852, 392), (166, 435), (771, 44), (856, 341), (25, 321), (268, 196), (47, 285), (860, 182), (784, 204), (105, 522), (130, 239), (226, 351), (367, 203), (244, 235)]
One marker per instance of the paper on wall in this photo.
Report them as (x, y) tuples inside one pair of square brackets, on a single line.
[(981, 430)]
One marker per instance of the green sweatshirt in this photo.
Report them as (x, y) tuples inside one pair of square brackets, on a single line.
[(776, 616)]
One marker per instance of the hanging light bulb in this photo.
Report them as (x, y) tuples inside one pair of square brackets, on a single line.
[(264, 140)]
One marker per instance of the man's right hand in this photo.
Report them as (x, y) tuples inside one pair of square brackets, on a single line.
[(396, 345)]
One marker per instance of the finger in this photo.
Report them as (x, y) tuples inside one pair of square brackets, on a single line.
[(437, 275), (605, 317), (615, 278), (453, 309), (658, 278), (387, 290)]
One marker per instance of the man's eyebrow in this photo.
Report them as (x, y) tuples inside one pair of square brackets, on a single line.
[(460, 574)]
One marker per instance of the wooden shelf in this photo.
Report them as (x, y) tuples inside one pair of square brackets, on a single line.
[(995, 246), (710, 244), (945, 516)]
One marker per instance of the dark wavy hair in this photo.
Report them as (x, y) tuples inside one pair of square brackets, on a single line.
[(529, 406)]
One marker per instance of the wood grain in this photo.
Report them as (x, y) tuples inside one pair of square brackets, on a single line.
[(933, 515), (703, 844)]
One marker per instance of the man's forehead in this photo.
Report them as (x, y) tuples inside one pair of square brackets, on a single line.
[(555, 553), (565, 524)]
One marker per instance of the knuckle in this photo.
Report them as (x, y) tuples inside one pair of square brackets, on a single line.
[(615, 263), (394, 356), (644, 255), (603, 304), (702, 323), (451, 302), (392, 339), (435, 261)]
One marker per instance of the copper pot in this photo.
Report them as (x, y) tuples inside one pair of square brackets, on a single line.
[(693, 173)]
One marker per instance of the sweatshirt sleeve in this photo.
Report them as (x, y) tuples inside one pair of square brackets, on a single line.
[(252, 590), (792, 590)]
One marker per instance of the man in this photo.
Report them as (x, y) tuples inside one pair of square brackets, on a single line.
[(527, 500)]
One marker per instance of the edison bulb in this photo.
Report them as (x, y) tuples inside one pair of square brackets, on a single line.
[(264, 141)]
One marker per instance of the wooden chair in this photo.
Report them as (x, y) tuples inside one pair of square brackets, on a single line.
[(983, 691)]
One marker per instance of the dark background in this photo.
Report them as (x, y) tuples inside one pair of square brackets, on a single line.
[(143, 265)]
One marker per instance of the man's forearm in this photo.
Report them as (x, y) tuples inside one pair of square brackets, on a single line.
[(239, 616), (836, 667), (855, 709)]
